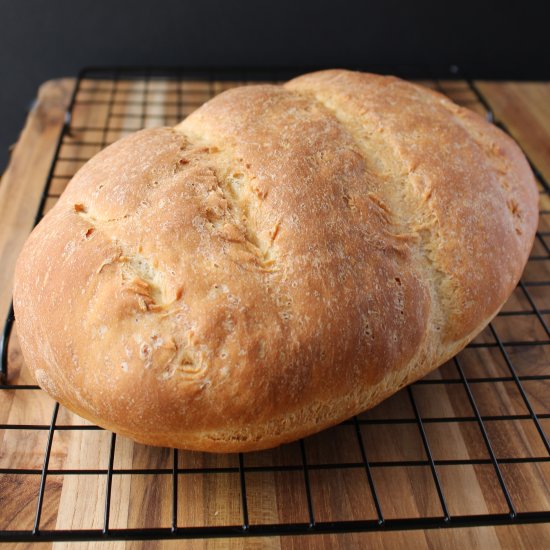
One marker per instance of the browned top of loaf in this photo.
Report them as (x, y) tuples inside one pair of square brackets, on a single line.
[(280, 248)]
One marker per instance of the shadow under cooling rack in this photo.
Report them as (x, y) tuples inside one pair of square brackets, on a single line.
[(465, 446)]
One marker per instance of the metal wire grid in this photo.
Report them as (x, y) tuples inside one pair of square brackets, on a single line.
[(456, 373)]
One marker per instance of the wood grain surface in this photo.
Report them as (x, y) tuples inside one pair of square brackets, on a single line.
[(208, 488)]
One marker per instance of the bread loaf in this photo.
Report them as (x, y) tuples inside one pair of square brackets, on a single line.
[(286, 257)]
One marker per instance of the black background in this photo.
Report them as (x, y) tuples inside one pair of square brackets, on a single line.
[(40, 40)]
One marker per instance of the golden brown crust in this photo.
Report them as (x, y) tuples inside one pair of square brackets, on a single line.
[(284, 258)]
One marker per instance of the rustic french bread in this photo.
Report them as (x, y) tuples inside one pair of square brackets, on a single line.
[(283, 259)]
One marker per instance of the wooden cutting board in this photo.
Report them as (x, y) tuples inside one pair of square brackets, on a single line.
[(139, 500)]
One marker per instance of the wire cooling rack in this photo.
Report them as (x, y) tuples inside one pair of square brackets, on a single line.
[(465, 446)]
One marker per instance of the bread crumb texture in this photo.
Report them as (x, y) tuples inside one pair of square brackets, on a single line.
[(284, 258)]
